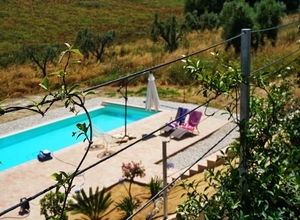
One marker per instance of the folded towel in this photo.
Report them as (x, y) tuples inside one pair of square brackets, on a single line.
[(174, 124)]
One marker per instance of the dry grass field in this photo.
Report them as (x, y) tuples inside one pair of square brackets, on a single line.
[(132, 52)]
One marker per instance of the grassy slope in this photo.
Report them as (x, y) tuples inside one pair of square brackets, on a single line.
[(58, 21), (49, 21)]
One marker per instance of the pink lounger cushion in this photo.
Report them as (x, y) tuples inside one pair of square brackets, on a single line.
[(188, 127)]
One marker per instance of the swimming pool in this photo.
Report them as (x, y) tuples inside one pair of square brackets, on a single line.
[(24, 146)]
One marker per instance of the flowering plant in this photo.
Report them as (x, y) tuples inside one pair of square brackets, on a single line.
[(170, 165), (132, 170)]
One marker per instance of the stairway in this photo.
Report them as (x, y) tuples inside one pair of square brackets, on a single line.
[(211, 161)]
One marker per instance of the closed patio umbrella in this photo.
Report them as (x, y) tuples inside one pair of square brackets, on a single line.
[(152, 99)]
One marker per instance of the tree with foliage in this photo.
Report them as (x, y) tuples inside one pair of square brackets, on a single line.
[(269, 189), (207, 20), (170, 31), (94, 43), (40, 55), (235, 16), (131, 171), (93, 205), (200, 6), (291, 5), (268, 14)]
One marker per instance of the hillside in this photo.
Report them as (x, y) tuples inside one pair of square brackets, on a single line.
[(37, 21), (52, 21)]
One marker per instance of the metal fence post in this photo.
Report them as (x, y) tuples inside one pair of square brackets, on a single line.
[(245, 101), (165, 194)]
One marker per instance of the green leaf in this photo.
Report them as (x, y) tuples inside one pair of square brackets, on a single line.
[(56, 176), (62, 55), (45, 83), (73, 88), (90, 93), (77, 93), (76, 51), (58, 73), (67, 103)]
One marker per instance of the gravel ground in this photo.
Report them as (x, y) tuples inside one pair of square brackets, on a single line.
[(180, 160)]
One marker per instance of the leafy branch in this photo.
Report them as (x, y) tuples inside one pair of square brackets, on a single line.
[(222, 79), (72, 99), (273, 139)]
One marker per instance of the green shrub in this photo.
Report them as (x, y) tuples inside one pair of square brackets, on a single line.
[(127, 205), (51, 205), (93, 205), (155, 185)]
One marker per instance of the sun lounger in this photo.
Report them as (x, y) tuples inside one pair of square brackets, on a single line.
[(180, 119), (190, 126), (110, 140), (106, 138)]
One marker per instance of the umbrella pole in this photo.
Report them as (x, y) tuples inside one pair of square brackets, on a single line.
[(125, 112), (125, 83)]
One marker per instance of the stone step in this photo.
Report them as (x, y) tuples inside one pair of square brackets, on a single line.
[(214, 160), (211, 161), (197, 168), (185, 175)]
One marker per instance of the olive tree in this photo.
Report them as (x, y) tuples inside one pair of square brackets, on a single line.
[(40, 55), (268, 14), (94, 43), (207, 20), (169, 31), (237, 15)]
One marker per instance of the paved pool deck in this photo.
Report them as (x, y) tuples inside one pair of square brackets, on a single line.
[(28, 179)]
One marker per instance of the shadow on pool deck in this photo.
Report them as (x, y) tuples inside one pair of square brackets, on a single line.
[(30, 178)]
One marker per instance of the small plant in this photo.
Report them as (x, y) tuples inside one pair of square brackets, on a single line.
[(52, 205), (155, 185), (127, 205), (93, 205), (130, 170)]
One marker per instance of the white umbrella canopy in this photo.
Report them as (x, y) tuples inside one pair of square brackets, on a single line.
[(152, 99)]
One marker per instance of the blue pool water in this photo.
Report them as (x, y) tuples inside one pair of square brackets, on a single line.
[(22, 147)]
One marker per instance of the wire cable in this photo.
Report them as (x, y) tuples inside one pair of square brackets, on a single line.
[(276, 27), (145, 137), (177, 178), (276, 61), (12, 109), (79, 172), (78, 188), (161, 65)]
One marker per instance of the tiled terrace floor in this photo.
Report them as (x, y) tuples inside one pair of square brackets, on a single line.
[(33, 177)]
